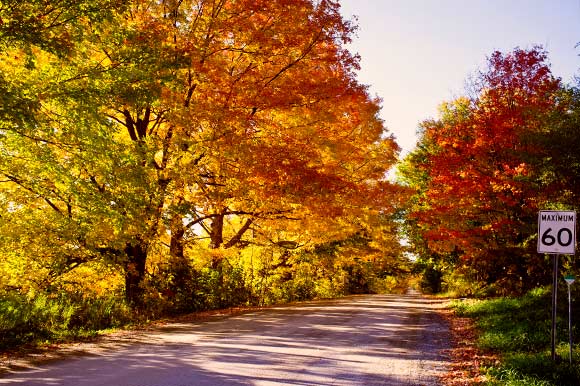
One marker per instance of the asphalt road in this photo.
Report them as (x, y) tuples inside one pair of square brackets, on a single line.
[(359, 340)]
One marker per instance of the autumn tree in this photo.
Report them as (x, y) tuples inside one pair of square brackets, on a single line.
[(171, 119), (478, 194)]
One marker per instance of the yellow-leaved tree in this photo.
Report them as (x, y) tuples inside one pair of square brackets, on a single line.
[(174, 125)]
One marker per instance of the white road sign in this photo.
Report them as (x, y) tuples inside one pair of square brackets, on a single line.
[(557, 232)]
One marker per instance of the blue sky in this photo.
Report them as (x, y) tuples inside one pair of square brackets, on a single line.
[(419, 53)]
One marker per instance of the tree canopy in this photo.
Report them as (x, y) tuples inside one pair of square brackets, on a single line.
[(486, 166), (146, 142)]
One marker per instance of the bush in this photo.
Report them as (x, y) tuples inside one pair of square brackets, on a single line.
[(44, 316)]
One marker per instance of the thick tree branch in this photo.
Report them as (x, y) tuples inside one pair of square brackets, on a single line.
[(238, 237), (130, 125)]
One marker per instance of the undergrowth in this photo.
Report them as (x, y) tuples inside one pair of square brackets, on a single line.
[(48, 318)]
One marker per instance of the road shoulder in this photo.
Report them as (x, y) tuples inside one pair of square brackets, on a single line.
[(466, 358)]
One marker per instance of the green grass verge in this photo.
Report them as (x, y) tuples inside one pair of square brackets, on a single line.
[(519, 330)]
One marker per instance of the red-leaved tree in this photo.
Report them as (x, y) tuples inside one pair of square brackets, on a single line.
[(480, 191)]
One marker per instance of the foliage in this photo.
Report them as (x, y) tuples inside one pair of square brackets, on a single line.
[(484, 168), (519, 329)]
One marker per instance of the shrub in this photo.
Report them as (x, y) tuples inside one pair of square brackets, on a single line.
[(42, 316)]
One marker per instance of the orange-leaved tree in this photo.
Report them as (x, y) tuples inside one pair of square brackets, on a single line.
[(175, 118)]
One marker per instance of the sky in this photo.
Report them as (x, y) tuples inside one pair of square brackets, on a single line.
[(416, 54)]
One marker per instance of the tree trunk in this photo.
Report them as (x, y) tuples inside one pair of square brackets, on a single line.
[(176, 249), (217, 228), (135, 272), (180, 267)]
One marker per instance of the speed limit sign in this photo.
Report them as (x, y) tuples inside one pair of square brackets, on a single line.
[(557, 232)]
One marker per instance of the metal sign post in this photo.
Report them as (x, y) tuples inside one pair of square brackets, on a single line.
[(556, 235), (570, 280), (554, 303)]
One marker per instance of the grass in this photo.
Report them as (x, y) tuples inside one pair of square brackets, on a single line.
[(519, 330)]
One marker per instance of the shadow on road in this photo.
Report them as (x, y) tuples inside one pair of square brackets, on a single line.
[(359, 340)]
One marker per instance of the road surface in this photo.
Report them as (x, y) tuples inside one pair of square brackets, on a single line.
[(358, 340)]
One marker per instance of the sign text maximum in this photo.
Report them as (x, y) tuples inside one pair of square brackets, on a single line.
[(557, 217)]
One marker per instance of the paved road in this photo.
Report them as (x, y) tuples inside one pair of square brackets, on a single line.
[(359, 340)]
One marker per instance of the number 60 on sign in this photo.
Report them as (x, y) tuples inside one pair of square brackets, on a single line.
[(557, 232)]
